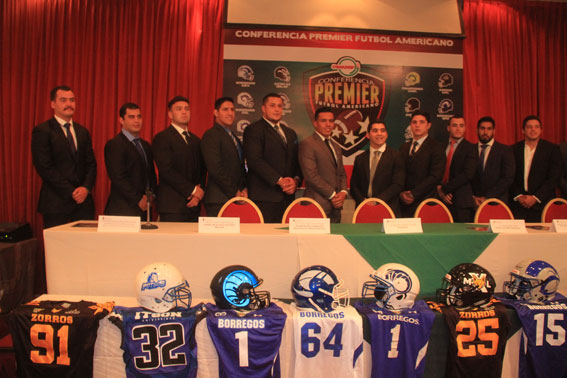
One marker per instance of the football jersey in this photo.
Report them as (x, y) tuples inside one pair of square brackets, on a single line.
[(56, 338), (398, 340), (247, 343), (477, 340), (158, 344), (327, 344), (543, 351)]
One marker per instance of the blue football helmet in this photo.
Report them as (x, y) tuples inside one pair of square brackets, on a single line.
[(394, 286), (533, 281), (317, 287), (161, 287), (234, 287)]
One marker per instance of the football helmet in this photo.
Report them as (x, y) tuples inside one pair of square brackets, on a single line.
[(466, 285), (445, 106), (161, 287), (394, 286), (412, 79), (317, 287), (533, 281), (282, 73), (246, 73), (234, 287), (245, 99), (412, 104), (445, 80)]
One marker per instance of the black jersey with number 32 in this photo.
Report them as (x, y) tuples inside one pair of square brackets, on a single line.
[(56, 338), (477, 341)]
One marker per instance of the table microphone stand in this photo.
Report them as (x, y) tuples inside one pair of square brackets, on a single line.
[(148, 225)]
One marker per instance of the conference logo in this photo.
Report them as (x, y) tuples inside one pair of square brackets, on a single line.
[(246, 73), (282, 76), (286, 103), (445, 109), (355, 93), (412, 104), (445, 83), (411, 82)]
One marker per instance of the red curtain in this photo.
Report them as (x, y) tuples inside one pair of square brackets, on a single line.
[(109, 52), (515, 56)]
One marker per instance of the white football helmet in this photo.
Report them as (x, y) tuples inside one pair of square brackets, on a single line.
[(395, 287), (533, 281), (161, 287)]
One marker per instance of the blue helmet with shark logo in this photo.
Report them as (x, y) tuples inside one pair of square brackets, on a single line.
[(466, 285), (234, 287), (161, 287)]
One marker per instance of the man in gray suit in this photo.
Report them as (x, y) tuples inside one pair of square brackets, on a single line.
[(322, 165)]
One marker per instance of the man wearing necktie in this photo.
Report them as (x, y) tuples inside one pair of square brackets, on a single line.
[(379, 171), (322, 165), (180, 165), (424, 161), (270, 149), (63, 156), (223, 155), (496, 165), (455, 189), (130, 166)]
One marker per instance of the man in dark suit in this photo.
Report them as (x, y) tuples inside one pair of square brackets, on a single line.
[(455, 189), (388, 175), (424, 161), (63, 156), (180, 165), (224, 159), (130, 167), (322, 166), (563, 180), (538, 169), (271, 148), (496, 166)]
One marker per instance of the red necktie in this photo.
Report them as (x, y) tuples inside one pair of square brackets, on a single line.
[(449, 158)]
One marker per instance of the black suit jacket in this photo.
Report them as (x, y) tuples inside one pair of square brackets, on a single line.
[(268, 159), (226, 172), (544, 173), (424, 170), (388, 180), (461, 173), (180, 168), (61, 171), (129, 175), (563, 181), (498, 174)]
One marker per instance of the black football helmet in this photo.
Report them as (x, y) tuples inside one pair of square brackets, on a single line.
[(466, 285), (234, 287)]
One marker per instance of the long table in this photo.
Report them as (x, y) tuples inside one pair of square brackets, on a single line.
[(82, 261)]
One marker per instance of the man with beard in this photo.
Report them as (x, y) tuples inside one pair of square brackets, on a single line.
[(495, 169)]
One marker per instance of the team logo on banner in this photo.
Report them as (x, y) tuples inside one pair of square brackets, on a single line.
[(282, 76), (412, 104), (445, 109), (355, 94), (445, 83)]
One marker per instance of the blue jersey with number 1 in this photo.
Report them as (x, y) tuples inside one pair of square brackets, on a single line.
[(398, 339), (247, 343), (543, 351), (158, 344)]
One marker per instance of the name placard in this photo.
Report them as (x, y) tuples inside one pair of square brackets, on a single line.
[(309, 226), (507, 226), (113, 223), (402, 226), (214, 225), (559, 225)]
